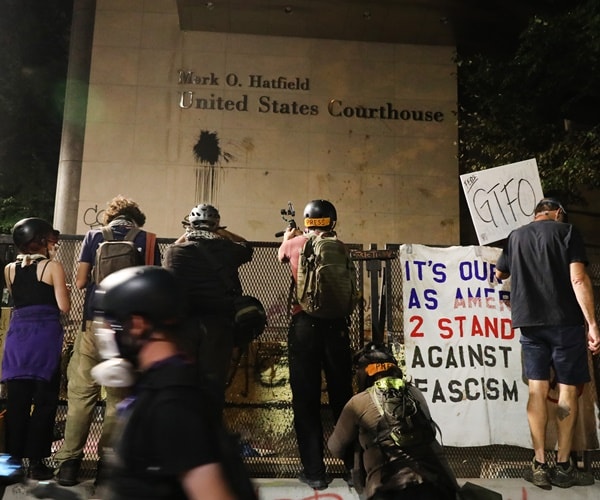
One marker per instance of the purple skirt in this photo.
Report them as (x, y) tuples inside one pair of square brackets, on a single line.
[(33, 343)]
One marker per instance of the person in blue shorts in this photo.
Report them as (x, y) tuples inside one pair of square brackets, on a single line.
[(551, 301)]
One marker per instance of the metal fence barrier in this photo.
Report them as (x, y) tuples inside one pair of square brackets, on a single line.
[(258, 398)]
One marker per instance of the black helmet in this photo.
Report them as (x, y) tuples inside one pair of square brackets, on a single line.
[(320, 214), (150, 291), (374, 361), (374, 353), (204, 216), (32, 229)]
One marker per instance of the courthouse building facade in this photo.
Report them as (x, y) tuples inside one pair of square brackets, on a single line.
[(174, 116)]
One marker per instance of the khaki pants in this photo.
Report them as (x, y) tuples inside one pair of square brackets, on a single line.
[(82, 395)]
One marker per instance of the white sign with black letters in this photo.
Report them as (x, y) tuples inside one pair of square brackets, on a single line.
[(503, 198)]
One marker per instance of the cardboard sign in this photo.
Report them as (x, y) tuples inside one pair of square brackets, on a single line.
[(501, 199)]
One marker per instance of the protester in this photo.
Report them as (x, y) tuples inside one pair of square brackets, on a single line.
[(551, 302), (206, 260), (121, 216), (315, 344), (32, 351), (411, 467), (169, 445)]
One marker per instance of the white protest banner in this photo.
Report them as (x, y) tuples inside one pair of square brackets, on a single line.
[(461, 349), (501, 199)]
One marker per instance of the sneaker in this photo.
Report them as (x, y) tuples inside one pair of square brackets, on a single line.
[(319, 483), (570, 477), (68, 472), (39, 471), (538, 475)]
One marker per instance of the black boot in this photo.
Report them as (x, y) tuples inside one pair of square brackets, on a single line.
[(68, 472), (38, 470)]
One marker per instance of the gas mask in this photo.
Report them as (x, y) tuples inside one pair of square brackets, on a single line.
[(119, 352)]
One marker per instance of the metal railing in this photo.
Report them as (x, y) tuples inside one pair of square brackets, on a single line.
[(258, 399)]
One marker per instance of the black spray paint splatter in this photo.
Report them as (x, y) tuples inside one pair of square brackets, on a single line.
[(208, 151)]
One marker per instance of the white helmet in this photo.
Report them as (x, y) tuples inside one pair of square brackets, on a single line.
[(204, 216)]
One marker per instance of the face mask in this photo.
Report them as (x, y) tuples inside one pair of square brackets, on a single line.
[(115, 371)]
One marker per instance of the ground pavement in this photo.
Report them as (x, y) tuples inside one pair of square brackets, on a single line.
[(292, 489)]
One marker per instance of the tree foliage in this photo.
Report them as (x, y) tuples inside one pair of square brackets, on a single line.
[(33, 64), (541, 101)]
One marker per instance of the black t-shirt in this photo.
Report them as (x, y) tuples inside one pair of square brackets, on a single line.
[(167, 430), (538, 256)]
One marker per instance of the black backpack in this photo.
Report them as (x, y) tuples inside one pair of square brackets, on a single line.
[(403, 423), (406, 436)]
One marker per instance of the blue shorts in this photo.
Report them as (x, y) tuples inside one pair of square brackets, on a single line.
[(563, 348)]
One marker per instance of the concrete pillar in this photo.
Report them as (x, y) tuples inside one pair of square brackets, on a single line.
[(73, 131)]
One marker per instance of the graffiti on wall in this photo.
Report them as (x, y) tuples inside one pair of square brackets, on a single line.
[(93, 216), (208, 153)]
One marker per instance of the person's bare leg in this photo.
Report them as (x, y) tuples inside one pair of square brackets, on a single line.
[(566, 416), (537, 415)]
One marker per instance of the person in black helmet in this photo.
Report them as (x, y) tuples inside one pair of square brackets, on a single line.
[(31, 362), (206, 259), (315, 345), (168, 445), (417, 472)]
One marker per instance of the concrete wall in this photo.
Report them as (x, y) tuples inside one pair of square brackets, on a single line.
[(260, 112)]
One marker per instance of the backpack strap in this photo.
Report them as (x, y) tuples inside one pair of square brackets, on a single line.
[(307, 252), (375, 400), (308, 248), (150, 248), (107, 233), (131, 234)]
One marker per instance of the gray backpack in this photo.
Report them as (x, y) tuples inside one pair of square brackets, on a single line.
[(113, 255)]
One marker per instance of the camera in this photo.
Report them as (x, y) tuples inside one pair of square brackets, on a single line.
[(287, 214)]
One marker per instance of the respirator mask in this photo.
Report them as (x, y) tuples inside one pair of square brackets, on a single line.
[(119, 353)]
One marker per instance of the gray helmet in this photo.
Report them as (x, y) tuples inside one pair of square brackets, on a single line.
[(204, 216), (32, 229), (320, 214)]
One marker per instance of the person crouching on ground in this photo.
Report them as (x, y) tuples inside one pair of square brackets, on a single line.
[(417, 469)]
